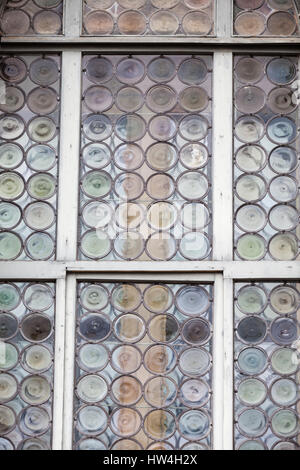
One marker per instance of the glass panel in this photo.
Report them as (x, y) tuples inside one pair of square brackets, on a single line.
[(266, 158), (267, 366), (26, 365), (148, 17), (145, 159), (143, 367), (32, 17), (266, 18), (29, 143)]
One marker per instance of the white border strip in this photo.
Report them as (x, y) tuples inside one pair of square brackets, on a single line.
[(222, 180), (71, 297)]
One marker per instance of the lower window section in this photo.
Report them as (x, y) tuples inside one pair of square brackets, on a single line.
[(143, 366), (26, 365), (267, 366)]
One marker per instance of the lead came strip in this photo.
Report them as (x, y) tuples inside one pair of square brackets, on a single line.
[(266, 378), (26, 365), (143, 367)]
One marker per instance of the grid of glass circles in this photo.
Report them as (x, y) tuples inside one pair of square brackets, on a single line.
[(266, 157), (143, 366), (266, 358), (266, 18), (32, 17), (148, 17), (145, 190), (29, 146), (27, 313)]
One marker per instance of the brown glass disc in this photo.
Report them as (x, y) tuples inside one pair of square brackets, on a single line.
[(16, 3), (250, 24), (161, 246), (15, 23), (36, 327), (129, 99), (164, 4), (95, 4), (281, 4), (194, 99), (47, 3), (249, 70), (126, 390), (44, 72), (130, 70), (164, 23), (197, 23), (250, 99), (281, 23), (132, 23), (160, 186), (128, 157), (162, 127), (99, 22), (161, 98), (14, 99), (98, 98), (132, 4), (99, 70), (129, 186), (47, 22), (282, 100)]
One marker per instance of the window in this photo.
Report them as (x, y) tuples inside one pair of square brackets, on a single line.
[(149, 225)]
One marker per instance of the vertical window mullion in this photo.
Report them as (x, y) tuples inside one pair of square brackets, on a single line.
[(223, 25), (72, 18), (69, 156), (228, 365), (70, 315), (222, 158)]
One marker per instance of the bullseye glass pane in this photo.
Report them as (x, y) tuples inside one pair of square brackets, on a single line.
[(146, 158), (143, 366), (266, 374), (266, 171), (26, 365)]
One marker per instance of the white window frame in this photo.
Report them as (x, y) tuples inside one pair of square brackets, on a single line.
[(66, 270)]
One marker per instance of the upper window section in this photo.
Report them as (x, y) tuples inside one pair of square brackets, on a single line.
[(146, 158), (266, 18), (32, 17), (148, 17)]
